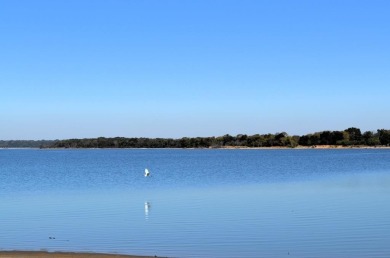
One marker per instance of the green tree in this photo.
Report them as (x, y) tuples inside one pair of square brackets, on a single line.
[(355, 136), (371, 139), (314, 139), (326, 138), (228, 140), (304, 140), (384, 136)]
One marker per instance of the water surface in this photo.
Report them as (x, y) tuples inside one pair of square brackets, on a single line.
[(197, 203)]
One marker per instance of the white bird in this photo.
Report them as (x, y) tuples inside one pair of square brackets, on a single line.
[(147, 173)]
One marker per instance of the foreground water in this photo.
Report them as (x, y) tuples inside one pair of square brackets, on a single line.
[(197, 203)]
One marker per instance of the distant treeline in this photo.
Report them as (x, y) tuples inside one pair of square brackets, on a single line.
[(26, 144), (349, 137)]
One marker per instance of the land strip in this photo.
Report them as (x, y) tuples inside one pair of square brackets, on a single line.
[(42, 254)]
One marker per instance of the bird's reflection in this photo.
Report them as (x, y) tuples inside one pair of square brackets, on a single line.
[(147, 208)]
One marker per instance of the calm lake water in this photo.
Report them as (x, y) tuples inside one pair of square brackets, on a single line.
[(197, 203)]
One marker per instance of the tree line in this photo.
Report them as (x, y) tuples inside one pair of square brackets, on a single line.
[(25, 143), (349, 137)]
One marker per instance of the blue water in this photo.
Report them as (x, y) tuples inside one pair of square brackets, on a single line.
[(197, 203)]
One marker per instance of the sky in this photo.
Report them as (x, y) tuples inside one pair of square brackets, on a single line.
[(163, 68)]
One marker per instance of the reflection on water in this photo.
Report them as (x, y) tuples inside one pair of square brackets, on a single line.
[(147, 208), (309, 219)]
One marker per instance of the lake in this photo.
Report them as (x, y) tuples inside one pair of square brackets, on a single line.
[(197, 203)]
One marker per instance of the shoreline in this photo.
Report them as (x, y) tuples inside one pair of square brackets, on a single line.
[(299, 147), (45, 254)]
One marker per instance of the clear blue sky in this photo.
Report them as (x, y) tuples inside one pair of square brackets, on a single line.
[(78, 68)]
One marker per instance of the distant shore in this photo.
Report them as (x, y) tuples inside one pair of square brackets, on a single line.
[(42, 254), (308, 147), (348, 138), (299, 147)]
